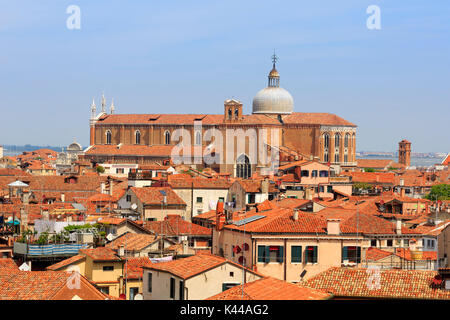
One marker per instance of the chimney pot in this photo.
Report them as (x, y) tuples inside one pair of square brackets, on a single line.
[(334, 226)]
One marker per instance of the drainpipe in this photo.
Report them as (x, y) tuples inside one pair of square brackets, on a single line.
[(285, 263)]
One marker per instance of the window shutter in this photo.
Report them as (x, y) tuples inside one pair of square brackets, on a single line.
[(358, 254), (306, 254), (281, 254), (344, 253), (261, 251), (315, 254), (267, 254), (296, 255)]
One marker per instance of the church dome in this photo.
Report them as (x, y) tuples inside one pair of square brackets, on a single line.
[(273, 99)]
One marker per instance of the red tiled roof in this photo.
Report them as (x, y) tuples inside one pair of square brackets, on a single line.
[(371, 177), (132, 241), (174, 225), (100, 254), (198, 183), (153, 196), (186, 268), (8, 264), (393, 284), (375, 254), (316, 118), (378, 164), (271, 289), (66, 262), (44, 285), (133, 269)]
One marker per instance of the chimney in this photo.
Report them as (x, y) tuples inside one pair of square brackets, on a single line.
[(111, 187), (295, 215), (402, 192), (220, 216), (24, 218), (333, 226), (63, 197), (265, 186), (121, 251), (398, 227), (402, 182), (102, 187)]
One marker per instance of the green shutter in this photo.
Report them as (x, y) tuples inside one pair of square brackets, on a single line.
[(344, 253), (296, 254), (315, 254), (358, 254), (261, 250), (280, 254), (267, 255)]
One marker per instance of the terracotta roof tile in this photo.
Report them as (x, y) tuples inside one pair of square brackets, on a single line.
[(271, 289), (132, 241), (100, 254), (153, 196), (66, 262), (174, 225), (393, 284), (186, 268)]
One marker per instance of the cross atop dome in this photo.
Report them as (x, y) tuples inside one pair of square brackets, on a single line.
[(274, 59)]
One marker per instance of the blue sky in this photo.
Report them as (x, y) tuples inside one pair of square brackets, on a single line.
[(189, 56)]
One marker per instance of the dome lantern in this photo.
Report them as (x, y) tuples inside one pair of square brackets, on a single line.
[(273, 99)]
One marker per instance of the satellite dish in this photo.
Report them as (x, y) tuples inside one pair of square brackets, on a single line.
[(24, 267), (138, 297), (134, 206), (109, 237)]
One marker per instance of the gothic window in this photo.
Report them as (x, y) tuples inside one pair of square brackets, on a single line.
[(326, 144), (138, 137), (243, 167), (230, 113), (108, 137), (167, 137), (337, 140), (347, 137), (236, 113), (198, 138), (326, 140)]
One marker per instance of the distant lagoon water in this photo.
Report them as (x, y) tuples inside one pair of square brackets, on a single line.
[(415, 161)]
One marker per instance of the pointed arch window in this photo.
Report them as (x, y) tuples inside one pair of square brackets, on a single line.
[(326, 145), (346, 140), (108, 137), (198, 138), (243, 167), (337, 143), (337, 140), (167, 137), (137, 137), (326, 140)]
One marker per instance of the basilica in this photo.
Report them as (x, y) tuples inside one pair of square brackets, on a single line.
[(148, 138)]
